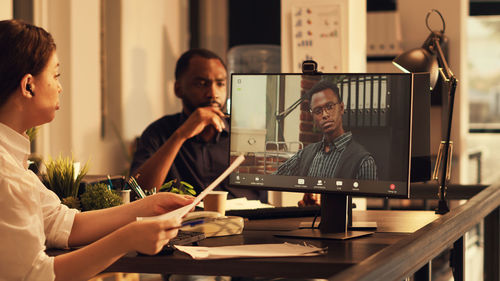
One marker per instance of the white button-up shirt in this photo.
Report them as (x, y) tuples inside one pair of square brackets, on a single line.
[(31, 216)]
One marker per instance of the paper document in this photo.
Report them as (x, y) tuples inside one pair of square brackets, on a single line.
[(251, 251), (242, 203), (181, 212)]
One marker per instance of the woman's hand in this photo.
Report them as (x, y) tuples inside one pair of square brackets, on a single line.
[(149, 237), (164, 202)]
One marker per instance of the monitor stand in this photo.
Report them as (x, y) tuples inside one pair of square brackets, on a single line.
[(335, 216)]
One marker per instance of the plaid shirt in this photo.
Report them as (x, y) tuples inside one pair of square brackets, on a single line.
[(324, 163)]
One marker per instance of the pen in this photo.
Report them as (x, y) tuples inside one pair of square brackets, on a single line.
[(135, 186), (110, 183), (196, 222)]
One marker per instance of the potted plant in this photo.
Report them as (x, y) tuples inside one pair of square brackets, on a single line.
[(34, 160), (178, 187), (99, 196), (62, 178)]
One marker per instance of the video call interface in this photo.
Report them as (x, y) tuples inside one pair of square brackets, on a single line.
[(328, 133)]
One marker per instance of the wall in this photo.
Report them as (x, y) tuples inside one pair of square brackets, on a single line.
[(154, 36), (353, 33), (151, 36), (5, 9)]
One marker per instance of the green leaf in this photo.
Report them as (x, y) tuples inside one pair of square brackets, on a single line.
[(166, 186), (59, 176)]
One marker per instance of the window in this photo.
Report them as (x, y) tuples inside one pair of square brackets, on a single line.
[(483, 38), (484, 73)]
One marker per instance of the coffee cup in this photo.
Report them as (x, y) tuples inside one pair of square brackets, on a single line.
[(215, 201), (125, 194)]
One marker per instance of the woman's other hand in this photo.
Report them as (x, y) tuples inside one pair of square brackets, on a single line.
[(148, 236)]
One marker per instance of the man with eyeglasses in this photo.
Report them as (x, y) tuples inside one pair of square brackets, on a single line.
[(337, 155)]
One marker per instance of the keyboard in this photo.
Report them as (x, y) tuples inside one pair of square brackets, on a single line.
[(182, 238), (186, 237), (276, 213)]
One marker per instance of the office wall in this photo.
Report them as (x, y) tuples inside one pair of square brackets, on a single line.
[(151, 34), (352, 33), (5, 9), (75, 26), (155, 33)]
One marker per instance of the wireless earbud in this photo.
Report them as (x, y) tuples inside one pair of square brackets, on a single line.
[(28, 88)]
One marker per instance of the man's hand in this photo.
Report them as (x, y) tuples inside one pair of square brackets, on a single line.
[(310, 199), (204, 120), (200, 119)]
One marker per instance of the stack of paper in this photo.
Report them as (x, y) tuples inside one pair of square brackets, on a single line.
[(251, 251)]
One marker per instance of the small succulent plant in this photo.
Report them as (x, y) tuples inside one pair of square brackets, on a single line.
[(99, 196)]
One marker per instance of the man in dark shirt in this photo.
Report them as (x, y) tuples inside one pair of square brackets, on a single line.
[(192, 145), (338, 155)]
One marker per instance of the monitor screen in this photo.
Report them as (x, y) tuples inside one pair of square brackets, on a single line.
[(351, 134)]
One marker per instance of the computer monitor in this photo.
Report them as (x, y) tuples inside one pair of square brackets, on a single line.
[(336, 134)]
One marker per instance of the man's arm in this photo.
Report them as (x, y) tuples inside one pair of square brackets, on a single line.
[(367, 169), (155, 169), (291, 166)]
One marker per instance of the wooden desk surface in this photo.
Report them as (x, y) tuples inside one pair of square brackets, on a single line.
[(392, 226)]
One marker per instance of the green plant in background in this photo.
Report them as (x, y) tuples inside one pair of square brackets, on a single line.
[(34, 161), (181, 187), (99, 196), (60, 177), (72, 202), (32, 132)]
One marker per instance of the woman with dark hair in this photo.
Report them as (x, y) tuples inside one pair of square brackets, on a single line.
[(31, 216)]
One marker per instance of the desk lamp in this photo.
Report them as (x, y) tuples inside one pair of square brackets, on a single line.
[(430, 58)]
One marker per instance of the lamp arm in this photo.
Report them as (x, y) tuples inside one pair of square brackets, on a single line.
[(448, 74), (447, 153), (282, 115), (452, 81)]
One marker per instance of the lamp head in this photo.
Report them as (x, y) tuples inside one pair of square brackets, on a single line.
[(419, 60), (425, 58)]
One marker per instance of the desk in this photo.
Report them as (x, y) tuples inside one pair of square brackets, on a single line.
[(392, 226)]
